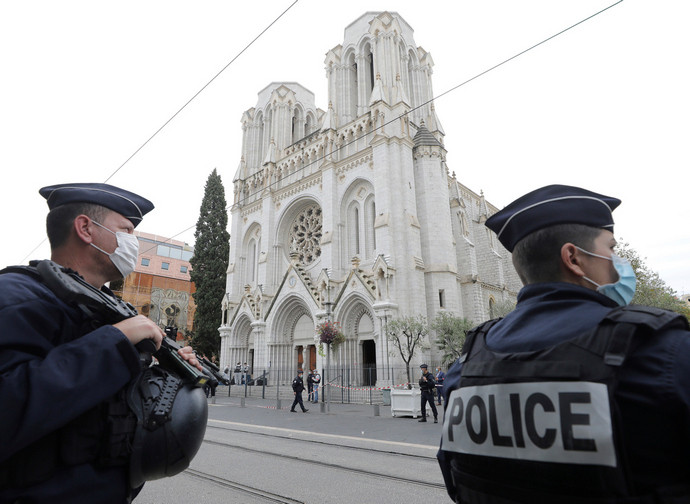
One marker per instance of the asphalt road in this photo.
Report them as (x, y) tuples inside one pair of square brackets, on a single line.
[(259, 454)]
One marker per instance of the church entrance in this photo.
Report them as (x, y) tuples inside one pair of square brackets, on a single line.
[(369, 363)]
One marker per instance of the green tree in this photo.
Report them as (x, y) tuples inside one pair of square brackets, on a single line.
[(408, 334), (651, 290), (209, 266), (450, 335)]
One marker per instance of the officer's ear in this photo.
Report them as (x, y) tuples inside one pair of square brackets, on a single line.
[(83, 228), (571, 262)]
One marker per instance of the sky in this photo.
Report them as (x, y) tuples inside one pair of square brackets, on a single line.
[(605, 106)]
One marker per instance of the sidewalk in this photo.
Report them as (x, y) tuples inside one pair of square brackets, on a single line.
[(356, 420)]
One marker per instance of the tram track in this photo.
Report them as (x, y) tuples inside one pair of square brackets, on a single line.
[(322, 442), (325, 464), (241, 488)]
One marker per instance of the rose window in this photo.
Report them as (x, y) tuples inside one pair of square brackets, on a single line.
[(305, 234)]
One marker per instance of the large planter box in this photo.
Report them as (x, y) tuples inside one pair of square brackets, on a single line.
[(406, 402)]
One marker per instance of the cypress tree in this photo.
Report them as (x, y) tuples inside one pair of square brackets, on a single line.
[(209, 266)]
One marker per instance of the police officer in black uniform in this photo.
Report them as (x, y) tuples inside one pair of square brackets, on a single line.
[(61, 379), (427, 384), (574, 397), (298, 388)]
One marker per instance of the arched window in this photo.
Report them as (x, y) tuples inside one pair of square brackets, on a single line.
[(369, 231), (492, 308), (353, 229)]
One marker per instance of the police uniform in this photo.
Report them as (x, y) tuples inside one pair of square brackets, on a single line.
[(298, 388), (58, 374), (523, 426), (427, 384)]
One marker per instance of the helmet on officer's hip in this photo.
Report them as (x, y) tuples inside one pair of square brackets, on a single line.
[(167, 436)]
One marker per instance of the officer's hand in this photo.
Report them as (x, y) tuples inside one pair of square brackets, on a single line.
[(139, 328), (188, 354)]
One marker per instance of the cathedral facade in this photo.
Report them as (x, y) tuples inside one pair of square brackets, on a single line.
[(350, 214)]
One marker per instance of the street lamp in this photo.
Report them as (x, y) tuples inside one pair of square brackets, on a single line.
[(329, 307)]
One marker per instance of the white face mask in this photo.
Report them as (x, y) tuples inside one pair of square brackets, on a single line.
[(124, 257)]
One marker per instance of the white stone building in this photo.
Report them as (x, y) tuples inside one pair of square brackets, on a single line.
[(352, 213)]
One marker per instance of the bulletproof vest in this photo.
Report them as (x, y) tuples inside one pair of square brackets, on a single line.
[(543, 426), (154, 426)]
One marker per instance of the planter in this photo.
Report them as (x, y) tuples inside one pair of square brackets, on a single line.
[(386, 396), (406, 402)]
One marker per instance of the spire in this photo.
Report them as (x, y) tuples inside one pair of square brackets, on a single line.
[(434, 123), (401, 95), (271, 154), (378, 94), (424, 137), (240, 173), (329, 119)]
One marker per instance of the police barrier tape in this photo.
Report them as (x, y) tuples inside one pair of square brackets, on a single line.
[(366, 388)]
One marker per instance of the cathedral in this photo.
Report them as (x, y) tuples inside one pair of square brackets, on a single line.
[(351, 214)]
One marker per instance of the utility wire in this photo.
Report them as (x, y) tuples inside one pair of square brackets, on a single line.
[(435, 98), (178, 112), (201, 90)]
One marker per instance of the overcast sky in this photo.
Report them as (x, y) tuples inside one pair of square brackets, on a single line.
[(605, 105)]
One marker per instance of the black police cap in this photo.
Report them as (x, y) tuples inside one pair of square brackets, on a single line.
[(424, 366), (129, 205), (549, 206)]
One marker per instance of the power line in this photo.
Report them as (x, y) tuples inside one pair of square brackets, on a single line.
[(201, 90), (438, 96), (178, 112)]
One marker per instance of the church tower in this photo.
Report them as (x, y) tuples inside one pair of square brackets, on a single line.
[(349, 214)]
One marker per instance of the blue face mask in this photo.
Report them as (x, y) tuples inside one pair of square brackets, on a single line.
[(623, 290)]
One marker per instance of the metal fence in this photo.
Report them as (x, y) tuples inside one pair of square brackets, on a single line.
[(351, 384)]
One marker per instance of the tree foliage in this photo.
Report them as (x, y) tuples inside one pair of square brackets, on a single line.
[(209, 266), (651, 290), (408, 334), (450, 335)]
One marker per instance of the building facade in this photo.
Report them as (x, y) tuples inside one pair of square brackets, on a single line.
[(351, 214), (160, 286)]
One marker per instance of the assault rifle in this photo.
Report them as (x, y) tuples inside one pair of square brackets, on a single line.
[(210, 369), (105, 309)]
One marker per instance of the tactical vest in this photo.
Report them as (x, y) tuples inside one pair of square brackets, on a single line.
[(154, 426), (543, 426)]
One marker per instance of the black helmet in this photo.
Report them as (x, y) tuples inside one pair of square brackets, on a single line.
[(171, 422)]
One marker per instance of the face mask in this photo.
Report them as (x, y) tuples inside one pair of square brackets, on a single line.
[(623, 290), (125, 255)]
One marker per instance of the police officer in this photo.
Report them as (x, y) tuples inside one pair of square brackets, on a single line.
[(298, 388), (427, 384), (574, 396), (58, 373)]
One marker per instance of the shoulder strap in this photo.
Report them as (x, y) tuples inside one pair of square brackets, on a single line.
[(619, 327), (71, 288), (482, 329)]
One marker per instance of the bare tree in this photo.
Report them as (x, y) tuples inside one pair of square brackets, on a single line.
[(408, 334)]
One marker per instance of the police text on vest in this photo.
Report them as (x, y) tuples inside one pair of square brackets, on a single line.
[(567, 422)]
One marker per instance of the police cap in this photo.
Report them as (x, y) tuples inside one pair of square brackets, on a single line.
[(129, 205), (549, 206), (424, 366)]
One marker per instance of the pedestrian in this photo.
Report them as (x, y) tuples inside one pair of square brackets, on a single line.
[(440, 376), (298, 388), (316, 381), (245, 373), (574, 396), (310, 386), (238, 374), (427, 386), (64, 374)]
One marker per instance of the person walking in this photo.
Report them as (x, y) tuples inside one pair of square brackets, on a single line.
[(298, 388), (440, 376), (575, 396), (427, 384)]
